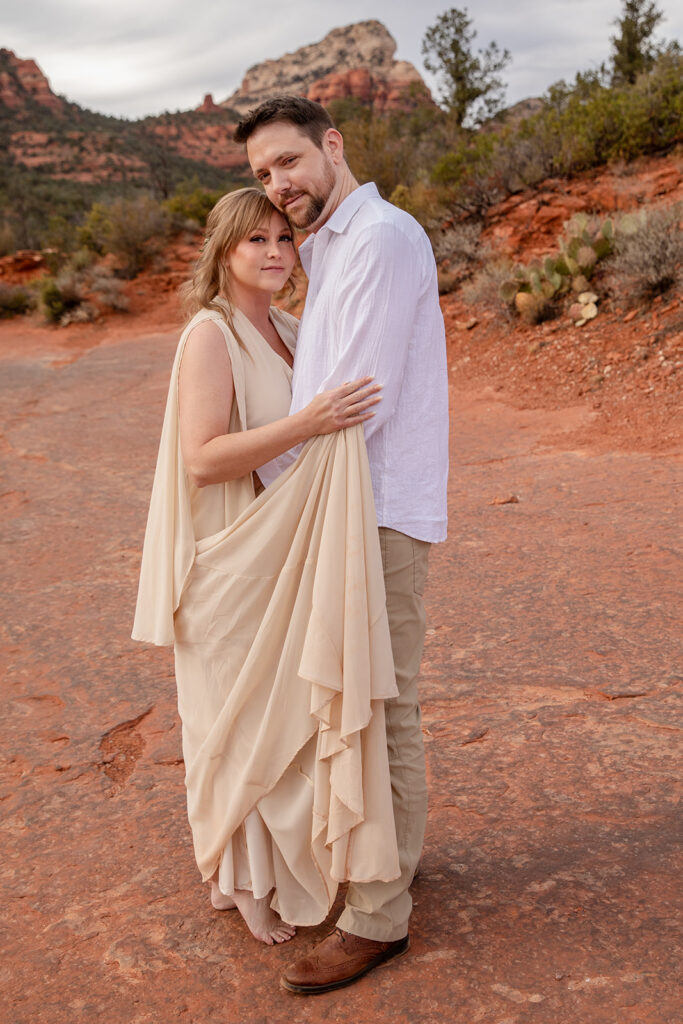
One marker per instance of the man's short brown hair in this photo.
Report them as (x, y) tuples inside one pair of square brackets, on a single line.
[(310, 118)]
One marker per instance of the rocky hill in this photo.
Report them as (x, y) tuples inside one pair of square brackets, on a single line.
[(23, 83), (356, 61), (60, 140)]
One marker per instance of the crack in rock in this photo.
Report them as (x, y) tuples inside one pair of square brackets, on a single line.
[(121, 748)]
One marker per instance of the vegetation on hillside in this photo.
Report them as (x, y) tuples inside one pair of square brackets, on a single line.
[(447, 165)]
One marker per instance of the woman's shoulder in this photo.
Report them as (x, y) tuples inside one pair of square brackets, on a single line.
[(209, 324)]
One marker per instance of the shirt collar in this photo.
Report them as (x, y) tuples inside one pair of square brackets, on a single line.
[(340, 219)]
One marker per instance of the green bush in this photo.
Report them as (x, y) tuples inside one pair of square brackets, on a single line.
[(486, 288), (191, 202), (110, 291), (133, 230), (59, 296), (580, 126), (14, 300), (648, 259)]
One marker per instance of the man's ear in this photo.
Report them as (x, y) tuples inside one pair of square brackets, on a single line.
[(333, 145)]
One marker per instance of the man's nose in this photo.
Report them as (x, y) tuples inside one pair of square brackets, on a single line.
[(279, 181)]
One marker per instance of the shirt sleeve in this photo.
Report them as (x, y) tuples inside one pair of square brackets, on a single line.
[(377, 304)]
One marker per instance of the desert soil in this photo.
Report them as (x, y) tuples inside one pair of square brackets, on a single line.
[(550, 687)]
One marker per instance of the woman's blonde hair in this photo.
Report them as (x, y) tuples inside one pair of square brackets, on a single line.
[(234, 216)]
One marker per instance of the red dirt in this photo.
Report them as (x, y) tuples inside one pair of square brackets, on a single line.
[(550, 684)]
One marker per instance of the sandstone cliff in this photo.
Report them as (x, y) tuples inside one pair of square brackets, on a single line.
[(356, 61), (22, 81)]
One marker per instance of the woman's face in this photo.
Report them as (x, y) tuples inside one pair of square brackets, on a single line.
[(264, 260)]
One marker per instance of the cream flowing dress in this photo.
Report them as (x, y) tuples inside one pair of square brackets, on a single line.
[(275, 606)]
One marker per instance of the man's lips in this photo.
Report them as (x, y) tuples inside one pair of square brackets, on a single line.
[(291, 199)]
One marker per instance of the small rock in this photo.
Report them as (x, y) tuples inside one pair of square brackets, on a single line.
[(630, 316), (512, 500)]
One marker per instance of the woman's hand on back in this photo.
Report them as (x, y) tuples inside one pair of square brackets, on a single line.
[(342, 407)]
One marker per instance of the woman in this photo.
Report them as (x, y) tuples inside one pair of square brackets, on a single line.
[(240, 585)]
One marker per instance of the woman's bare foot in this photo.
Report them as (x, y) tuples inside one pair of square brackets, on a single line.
[(263, 923), (219, 901)]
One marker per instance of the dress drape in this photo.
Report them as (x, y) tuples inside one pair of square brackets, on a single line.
[(283, 662)]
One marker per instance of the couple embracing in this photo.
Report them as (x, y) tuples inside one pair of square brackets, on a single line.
[(300, 481)]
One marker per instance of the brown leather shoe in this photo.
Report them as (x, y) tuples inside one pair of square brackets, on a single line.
[(339, 960)]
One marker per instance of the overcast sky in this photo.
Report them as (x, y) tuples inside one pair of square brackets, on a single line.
[(136, 57)]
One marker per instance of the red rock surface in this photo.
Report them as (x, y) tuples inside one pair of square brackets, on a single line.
[(549, 878), (550, 684), (528, 223)]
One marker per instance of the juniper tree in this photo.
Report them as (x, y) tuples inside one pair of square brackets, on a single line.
[(633, 50), (471, 88)]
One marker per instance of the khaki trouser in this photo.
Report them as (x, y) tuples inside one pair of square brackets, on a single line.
[(380, 910)]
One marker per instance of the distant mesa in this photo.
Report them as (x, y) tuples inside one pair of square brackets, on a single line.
[(352, 62)]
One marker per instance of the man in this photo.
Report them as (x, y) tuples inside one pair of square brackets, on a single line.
[(372, 309)]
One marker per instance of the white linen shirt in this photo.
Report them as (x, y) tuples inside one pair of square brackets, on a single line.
[(372, 309)]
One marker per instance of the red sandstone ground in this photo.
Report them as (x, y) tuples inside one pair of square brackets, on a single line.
[(551, 686)]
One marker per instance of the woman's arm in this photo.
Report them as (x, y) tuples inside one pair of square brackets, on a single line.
[(205, 396)]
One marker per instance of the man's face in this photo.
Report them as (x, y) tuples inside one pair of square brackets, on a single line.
[(298, 177)]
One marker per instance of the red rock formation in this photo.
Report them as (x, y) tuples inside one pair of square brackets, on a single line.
[(401, 93), (355, 61), (207, 106), (21, 80)]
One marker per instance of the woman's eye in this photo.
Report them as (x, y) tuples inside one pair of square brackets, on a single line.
[(257, 238), (285, 238)]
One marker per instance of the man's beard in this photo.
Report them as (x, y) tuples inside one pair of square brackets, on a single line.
[(310, 211)]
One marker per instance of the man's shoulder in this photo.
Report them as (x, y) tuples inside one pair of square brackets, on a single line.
[(376, 210), (379, 220)]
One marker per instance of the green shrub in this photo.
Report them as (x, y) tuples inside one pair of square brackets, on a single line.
[(133, 230), (14, 300), (419, 200), (648, 259), (485, 288), (110, 291), (191, 202), (580, 126), (59, 296)]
